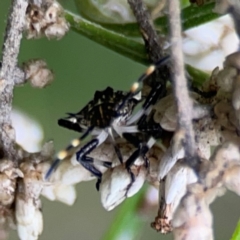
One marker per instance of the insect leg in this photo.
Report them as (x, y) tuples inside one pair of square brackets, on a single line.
[(147, 106), (140, 152), (65, 153), (150, 70), (116, 148), (86, 161)]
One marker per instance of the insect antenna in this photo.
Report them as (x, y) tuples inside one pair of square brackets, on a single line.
[(149, 71)]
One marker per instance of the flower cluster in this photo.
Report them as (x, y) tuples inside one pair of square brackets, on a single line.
[(184, 206), (20, 190), (45, 19), (37, 73)]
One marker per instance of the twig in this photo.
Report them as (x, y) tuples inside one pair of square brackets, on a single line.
[(20, 76), (184, 103), (10, 52), (154, 45)]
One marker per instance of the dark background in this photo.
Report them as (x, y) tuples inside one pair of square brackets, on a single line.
[(81, 67)]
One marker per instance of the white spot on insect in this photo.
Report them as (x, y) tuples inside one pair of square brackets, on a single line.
[(138, 96), (73, 120)]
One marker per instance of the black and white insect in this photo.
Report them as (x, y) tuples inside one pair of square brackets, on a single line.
[(110, 114)]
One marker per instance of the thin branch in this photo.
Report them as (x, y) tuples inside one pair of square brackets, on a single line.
[(149, 34), (153, 44), (13, 36), (184, 103), (20, 76)]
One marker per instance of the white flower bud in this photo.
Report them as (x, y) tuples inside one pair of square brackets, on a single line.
[(226, 154), (27, 203), (25, 210), (192, 220), (53, 12), (45, 20), (164, 114), (8, 176), (66, 194), (7, 189), (176, 184), (48, 192), (171, 191), (31, 232), (37, 73), (29, 218), (171, 156), (117, 185), (231, 179), (57, 30)]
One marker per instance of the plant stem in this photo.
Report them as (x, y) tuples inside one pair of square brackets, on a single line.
[(11, 46), (184, 103)]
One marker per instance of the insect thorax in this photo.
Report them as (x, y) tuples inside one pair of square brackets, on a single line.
[(102, 111)]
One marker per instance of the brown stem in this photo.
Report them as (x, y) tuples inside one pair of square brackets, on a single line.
[(154, 45), (184, 103), (12, 39)]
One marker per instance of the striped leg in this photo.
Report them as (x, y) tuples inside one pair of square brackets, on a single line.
[(140, 152), (150, 70), (66, 152), (147, 106), (88, 162)]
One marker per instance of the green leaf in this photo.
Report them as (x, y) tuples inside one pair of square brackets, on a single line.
[(199, 77), (192, 16), (129, 47), (93, 12), (236, 234)]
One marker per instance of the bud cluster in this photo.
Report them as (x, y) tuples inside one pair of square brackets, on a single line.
[(37, 73), (45, 19), (185, 198)]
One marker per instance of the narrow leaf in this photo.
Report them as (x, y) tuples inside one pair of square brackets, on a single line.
[(126, 46), (236, 234), (192, 16), (129, 47)]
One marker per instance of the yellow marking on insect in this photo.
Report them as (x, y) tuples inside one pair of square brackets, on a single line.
[(134, 87), (150, 70), (75, 142), (63, 154)]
